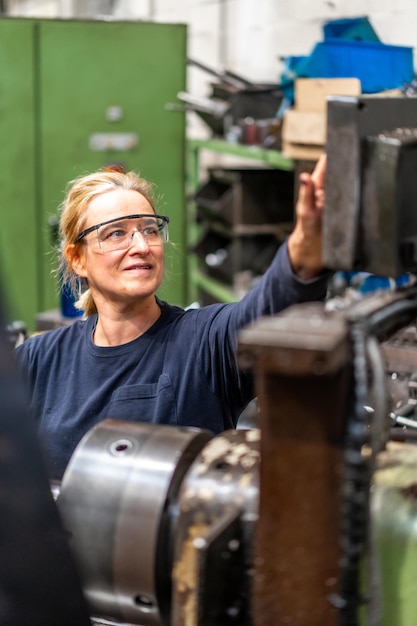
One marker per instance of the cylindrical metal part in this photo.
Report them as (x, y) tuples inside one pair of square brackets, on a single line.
[(115, 500)]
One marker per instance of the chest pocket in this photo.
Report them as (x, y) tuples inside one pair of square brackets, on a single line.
[(152, 402)]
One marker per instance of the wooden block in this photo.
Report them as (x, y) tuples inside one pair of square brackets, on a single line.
[(304, 127), (311, 93), (300, 151)]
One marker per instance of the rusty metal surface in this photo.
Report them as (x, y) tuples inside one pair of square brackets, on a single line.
[(218, 508), (297, 538), (302, 339)]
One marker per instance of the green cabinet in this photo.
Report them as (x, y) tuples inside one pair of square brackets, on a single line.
[(75, 96), (19, 233)]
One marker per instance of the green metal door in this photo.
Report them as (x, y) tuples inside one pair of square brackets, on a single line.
[(75, 96), (102, 84), (19, 242)]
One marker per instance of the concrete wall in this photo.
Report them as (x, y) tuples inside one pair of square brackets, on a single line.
[(249, 37)]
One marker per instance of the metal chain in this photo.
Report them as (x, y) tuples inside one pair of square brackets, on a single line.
[(355, 495)]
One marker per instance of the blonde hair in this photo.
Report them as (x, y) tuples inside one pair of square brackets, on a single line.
[(81, 191)]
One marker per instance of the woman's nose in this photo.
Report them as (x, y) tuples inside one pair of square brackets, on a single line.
[(138, 242)]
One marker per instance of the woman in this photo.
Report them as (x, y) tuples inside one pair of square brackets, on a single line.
[(134, 357)]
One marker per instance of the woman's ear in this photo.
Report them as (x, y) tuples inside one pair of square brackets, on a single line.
[(75, 258)]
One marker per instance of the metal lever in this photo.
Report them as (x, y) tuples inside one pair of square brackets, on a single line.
[(400, 420)]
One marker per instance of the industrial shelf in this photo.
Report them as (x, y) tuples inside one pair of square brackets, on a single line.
[(270, 159)]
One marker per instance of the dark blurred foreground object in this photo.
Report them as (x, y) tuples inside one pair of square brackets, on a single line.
[(38, 581)]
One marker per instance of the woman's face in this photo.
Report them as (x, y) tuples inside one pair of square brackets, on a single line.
[(126, 276)]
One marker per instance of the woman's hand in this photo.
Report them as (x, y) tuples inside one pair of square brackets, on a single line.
[(305, 242)]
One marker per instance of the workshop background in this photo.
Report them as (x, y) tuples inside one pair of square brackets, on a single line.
[(247, 37), (84, 83), (199, 96)]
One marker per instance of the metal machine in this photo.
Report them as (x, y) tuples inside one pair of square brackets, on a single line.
[(160, 518), (308, 519), (332, 382)]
